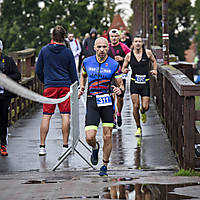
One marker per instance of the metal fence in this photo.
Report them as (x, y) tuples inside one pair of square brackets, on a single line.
[(74, 128)]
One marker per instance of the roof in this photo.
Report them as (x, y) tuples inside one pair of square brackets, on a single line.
[(118, 23)]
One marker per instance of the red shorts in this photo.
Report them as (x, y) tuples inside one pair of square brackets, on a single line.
[(55, 93)]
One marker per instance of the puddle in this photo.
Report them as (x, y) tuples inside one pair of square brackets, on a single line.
[(41, 182), (144, 192), (123, 189), (85, 197)]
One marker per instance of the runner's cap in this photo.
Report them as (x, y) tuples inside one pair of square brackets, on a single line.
[(114, 31)]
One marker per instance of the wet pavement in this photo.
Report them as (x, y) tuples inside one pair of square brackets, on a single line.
[(138, 167)]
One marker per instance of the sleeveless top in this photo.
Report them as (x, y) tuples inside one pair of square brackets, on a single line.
[(140, 67)]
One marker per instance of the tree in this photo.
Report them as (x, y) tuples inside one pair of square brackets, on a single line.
[(24, 23), (197, 25)]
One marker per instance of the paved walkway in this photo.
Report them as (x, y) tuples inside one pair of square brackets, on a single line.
[(151, 152), (150, 160)]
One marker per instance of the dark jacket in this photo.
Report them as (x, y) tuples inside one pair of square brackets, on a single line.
[(10, 69), (56, 66), (88, 48)]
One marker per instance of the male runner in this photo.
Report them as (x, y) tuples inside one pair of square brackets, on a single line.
[(100, 69), (139, 59), (118, 51)]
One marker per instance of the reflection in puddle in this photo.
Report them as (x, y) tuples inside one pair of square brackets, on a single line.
[(41, 182), (136, 192), (85, 197), (144, 192), (43, 164)]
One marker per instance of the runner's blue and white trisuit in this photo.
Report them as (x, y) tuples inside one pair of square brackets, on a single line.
[(99, 98)]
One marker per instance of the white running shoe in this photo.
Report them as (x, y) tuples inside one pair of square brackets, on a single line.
[(42, 151)]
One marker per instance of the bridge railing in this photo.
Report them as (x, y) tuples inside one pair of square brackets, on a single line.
[(174, 94), (25, 61)]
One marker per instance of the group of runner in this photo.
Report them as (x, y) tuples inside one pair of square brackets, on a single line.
[(105, 71)]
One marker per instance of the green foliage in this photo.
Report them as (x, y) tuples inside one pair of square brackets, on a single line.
[(25, 24), (189, 172), (197, 20)]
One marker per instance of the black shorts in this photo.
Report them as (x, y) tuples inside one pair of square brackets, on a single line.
[(141, 89), (95, 113)]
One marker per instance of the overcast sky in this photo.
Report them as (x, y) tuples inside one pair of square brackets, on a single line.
[(125, 5)]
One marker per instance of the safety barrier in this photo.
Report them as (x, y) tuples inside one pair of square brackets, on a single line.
[(74, 130), (174, 94)]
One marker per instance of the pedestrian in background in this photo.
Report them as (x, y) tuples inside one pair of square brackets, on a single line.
[(75, 47), (57, 70), (88, 47), (8, 68)]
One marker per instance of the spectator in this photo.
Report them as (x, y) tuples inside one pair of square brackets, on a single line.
[(87, 35), (88, 47), (57, 70), (75, 47), (8, 68)]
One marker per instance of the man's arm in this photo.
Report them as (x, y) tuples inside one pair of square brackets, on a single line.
[(79, 48), (83, 80), (126, 63), (72, 66), (14, 74), (40, 67), (153, 60), (120, 86)]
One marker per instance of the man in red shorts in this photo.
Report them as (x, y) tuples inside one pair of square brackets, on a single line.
[(57, 70)]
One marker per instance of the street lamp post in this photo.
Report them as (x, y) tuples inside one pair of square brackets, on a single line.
[(165, 31)]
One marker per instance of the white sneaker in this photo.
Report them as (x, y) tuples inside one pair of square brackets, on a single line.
[(64, 149), (42, 151)]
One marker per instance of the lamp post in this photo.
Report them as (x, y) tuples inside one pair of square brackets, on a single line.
[(165, 32)]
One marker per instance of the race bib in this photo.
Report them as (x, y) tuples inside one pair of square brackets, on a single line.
[(103, 100), (124, 76), (140, 79)]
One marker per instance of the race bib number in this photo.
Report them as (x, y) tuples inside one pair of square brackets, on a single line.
[(103, 100), (124, 76), (140, 79)]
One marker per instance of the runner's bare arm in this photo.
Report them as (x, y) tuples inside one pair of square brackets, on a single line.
[(120, 86), (83, 80), (126, 63), (153, 60)]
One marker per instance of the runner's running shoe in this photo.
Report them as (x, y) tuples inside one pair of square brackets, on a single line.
[(119, 120), (103, 171), (42, 151), (143, 117), (94, 157), (114, 123), (3, 150), (138, 132)]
